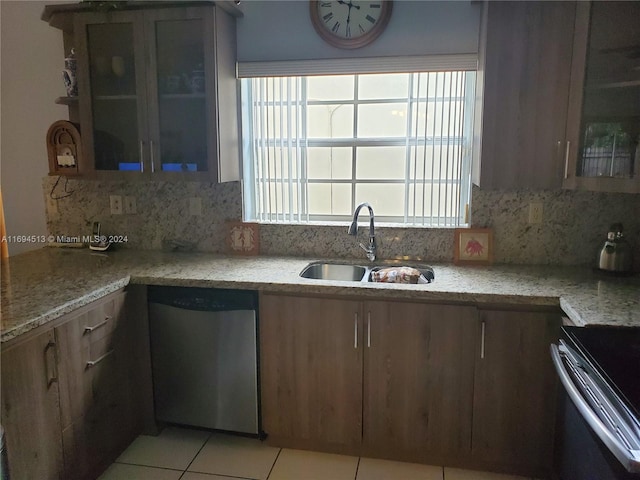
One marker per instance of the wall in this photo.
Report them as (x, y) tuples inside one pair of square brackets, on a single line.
[(574, 228), (575, 222), (32, 57), (31, 62), (282, 30)]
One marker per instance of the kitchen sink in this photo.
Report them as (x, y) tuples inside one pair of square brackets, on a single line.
[(334, 271), (356, 273)]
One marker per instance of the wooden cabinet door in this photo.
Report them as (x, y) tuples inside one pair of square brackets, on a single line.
[(600, 93), (180, 45), (112, 92), (95, 361), (311, 372), (158, 93), (418, 380), (193, 113), (526, 85), (514, 391), (30, 409)]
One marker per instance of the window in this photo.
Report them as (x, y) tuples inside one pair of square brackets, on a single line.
[(317, 146)]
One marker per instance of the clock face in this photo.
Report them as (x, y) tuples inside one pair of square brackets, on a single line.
[(349, 23)]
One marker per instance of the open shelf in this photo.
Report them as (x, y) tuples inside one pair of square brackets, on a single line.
[(181, 96), (115, 97), (67, 101)]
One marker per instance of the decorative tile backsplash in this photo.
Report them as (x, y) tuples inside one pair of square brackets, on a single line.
[(574, 224), (574, 227)]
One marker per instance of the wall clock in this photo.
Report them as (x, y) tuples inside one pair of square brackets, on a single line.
[(349, 23)]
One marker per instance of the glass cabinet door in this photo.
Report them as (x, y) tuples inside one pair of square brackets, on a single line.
[(115, 96), (610, 130), (179, 126)]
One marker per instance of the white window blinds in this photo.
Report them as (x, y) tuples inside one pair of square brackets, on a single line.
[(343, 66), (316, 146)]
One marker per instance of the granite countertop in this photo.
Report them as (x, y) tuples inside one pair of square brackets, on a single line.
[(42, 285)]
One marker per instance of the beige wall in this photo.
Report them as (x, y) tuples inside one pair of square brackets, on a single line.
[(32, 58)]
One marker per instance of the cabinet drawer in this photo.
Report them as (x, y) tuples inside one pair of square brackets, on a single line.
[(91, 348), (102, 321), (106, 382)]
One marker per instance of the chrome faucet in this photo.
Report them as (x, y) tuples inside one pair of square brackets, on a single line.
[(353, 230)]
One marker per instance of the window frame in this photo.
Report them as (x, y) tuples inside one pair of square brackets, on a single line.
[(411, 142)]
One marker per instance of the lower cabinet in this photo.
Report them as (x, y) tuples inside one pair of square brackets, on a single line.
[(67, 405), (440, 384), (30, 409), (418, 380), (388, 379), (311, 372), (97, 410), (515, 391)]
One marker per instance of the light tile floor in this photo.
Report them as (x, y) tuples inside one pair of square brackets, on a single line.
[(185, 454)]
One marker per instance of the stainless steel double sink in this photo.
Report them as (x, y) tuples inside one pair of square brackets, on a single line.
[(355, 273)]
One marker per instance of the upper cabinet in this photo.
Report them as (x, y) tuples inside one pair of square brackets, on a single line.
[(525, 63), (603, 128), (561, 96), (157, 94)]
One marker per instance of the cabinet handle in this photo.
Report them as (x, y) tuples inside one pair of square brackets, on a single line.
[(153, 167), (566, 159), (54, 378), (141, 156), (93, 363), (483, 326), (355, 328), (95, 327), (368, 329)]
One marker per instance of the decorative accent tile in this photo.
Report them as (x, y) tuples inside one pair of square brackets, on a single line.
[(243, 238)]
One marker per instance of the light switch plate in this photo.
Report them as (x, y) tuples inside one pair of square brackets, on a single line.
[(130, 205), (116, 204), (535, 212), (52, 205)]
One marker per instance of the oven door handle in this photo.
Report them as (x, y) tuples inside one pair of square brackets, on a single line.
[(629, 458)]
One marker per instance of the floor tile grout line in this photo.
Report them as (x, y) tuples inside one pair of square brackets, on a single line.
[(274, 463), (184, 471), (197, 453), (209, 474), (148, 466)]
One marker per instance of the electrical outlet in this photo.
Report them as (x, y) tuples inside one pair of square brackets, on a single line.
[(116, 204), (130, 205), (535, 212), (195, 206), (52, 205)]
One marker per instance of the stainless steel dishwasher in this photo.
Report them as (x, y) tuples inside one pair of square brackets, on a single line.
[(204, 357)]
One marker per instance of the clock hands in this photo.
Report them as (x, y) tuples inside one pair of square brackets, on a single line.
[(351, 5)]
